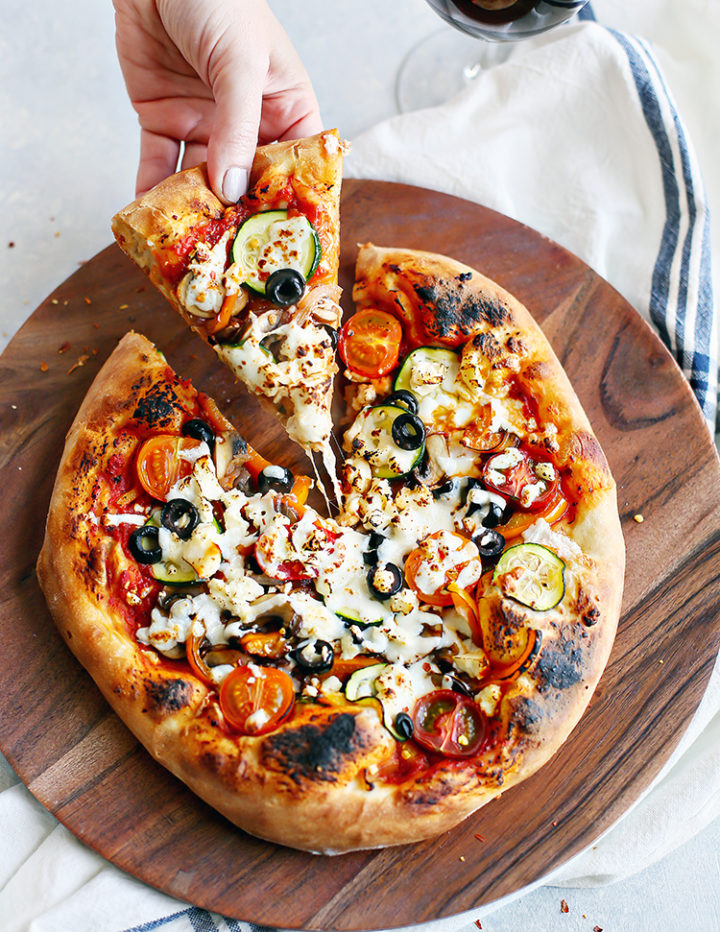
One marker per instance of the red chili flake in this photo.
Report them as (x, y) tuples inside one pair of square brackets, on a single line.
[(554, 824), (44, 367), (597, 928), (80, 362), (478, 923), (88, 301), (10, 244), (64, 347), (96, 325), (564, 908), (479, 836)]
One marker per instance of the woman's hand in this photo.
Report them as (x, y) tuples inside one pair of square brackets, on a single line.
[(219, 76)]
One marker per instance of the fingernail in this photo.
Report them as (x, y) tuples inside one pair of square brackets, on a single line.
[(234, 183)]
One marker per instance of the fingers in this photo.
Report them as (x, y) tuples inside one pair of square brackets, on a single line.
[(255, 84), (158, 159), (237, 87)]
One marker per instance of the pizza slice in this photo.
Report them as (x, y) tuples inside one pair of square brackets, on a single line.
[(256, 280)]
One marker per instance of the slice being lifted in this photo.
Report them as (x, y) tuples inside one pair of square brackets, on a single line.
[(256, 280)]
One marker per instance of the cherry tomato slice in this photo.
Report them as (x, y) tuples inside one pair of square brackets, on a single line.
[(160, 464), (554, 509), (447, 549), (515, 474), (450, 723), (254, 699), (369, 343)]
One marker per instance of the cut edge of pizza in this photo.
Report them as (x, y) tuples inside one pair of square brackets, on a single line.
[(256, 280)]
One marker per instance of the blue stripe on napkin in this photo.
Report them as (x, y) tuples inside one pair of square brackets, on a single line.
[(194, 919), (681, 299)]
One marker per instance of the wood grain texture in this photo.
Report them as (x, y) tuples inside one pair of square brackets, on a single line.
[(81, 762)]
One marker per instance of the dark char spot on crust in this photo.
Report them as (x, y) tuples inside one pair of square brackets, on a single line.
[(157, 408), (456, 310), (167, 695), (561, 664), (312, 751)]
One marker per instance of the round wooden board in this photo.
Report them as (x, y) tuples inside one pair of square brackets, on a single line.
[(86, 768)]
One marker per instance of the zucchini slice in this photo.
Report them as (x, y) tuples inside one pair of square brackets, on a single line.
[(532, 575), (374, 442), (269, 241), (361, 685), (353, 617), (431, 366)]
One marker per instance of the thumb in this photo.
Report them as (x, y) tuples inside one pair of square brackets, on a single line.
[(238, 96)]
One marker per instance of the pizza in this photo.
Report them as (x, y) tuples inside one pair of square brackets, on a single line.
[(371, 678), (256, 280)]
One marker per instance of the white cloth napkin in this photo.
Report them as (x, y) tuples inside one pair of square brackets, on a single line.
[(576, 135)]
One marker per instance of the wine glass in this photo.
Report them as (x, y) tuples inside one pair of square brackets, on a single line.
[(443, 63)]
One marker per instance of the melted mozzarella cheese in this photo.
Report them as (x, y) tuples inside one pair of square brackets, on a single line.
[(541, 533), (281, 246), (202, 291), (398, 688)]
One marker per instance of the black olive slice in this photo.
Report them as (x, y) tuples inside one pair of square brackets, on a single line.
[(333, 334), (144, 544), (403, 397), (276, 479), (180, 517), (490, 543), (199, 430), (375, 539), (457, 685), (446, 489), (495, 516), (314, 657), (285, 287), (408, 431), (370, 557), (384, 580), (404, 726)]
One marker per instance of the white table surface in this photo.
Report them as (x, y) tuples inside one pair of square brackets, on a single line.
[(68, 159)]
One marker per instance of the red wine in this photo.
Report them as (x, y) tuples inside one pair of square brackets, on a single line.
[(505, 19)]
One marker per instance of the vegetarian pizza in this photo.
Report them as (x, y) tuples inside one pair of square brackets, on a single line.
[(371, 678)]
